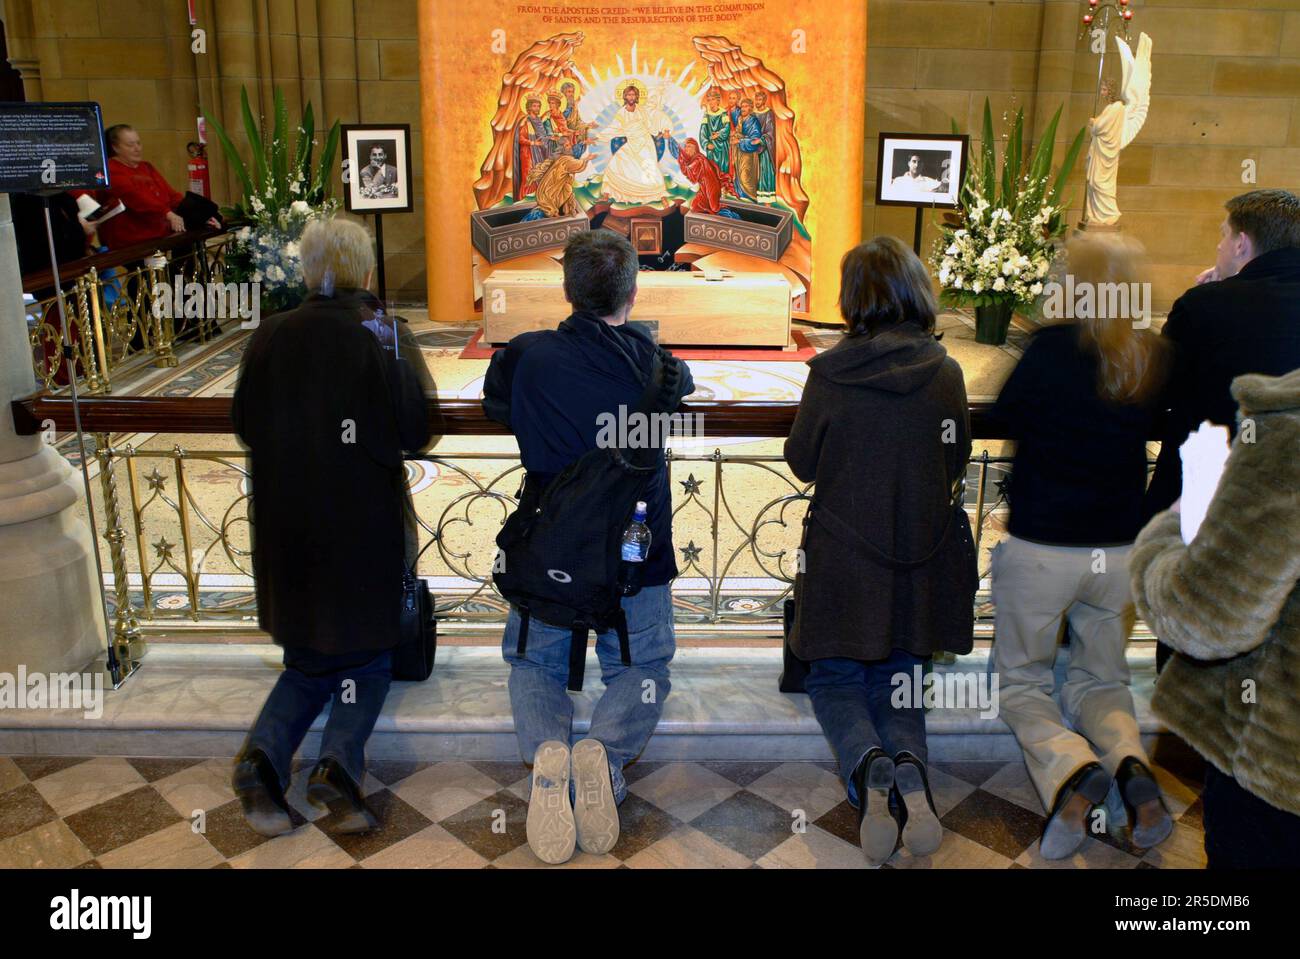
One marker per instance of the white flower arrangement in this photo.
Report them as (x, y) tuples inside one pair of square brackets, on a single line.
[(1001, 247), (997, 257)]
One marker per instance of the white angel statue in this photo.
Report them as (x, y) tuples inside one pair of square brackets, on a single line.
[(1114, 129)]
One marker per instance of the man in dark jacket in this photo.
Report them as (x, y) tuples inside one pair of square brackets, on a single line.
[(1243, 317), (326, 412), (554, 389)]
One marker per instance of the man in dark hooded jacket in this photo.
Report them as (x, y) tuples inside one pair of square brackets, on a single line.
[(554, 389)]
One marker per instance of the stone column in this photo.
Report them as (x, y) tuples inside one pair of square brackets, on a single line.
[(51, 615)]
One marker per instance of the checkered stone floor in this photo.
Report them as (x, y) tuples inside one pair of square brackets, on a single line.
[(181, 813)]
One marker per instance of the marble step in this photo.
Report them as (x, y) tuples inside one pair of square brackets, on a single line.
[(199, 700)]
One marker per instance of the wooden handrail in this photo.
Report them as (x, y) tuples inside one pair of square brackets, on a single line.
[(451, 417), (44, 279)]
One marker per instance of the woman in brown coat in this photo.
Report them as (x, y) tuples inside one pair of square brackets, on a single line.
[(1228, 603), (890, 572)]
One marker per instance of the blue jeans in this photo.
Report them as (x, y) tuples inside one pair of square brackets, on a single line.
[(302, 691), (626, 713), (851, 700)]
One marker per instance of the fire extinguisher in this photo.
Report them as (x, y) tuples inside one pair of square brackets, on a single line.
[(200, 181)]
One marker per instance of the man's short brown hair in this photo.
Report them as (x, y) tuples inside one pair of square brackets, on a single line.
[(600, 270), (1271, 218)]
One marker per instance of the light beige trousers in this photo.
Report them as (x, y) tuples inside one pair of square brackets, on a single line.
[(1037, 589)]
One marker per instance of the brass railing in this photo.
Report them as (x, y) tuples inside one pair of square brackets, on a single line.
[(109, 299), (178, 542)]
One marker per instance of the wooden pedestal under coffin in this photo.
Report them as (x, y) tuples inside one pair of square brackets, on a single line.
[(696, 308), (764, 231), (499, 235)]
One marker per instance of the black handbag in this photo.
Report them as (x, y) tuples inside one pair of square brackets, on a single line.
[(413, 656), (794, 671)]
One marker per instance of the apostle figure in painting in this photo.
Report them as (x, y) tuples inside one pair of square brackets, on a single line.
[(767, 158), (574, 119), (552, 181), (715, 131), (749, 147), (633, 174), (559, 137), (709, 180), (530, 143), (733, 117)]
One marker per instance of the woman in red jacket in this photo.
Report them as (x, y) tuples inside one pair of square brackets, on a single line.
[(150, 200)]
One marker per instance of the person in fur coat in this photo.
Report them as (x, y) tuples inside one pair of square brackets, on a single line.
[(1228, 603)]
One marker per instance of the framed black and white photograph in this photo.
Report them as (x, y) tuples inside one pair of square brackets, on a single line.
[(378, 161), (920, 169)]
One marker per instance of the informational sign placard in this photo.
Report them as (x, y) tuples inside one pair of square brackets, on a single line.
[(51, 147)]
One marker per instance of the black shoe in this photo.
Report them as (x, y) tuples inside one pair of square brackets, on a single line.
[(1137, 787), (922, 832), (261, 797), (1061, 836), (332, 789), (877, 827)]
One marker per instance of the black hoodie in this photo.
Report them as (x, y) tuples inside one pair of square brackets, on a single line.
[(884, 430)]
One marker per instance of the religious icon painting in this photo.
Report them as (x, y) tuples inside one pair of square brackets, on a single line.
[(377, 168)]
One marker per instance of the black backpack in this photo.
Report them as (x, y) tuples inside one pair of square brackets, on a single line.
[(560, 551)]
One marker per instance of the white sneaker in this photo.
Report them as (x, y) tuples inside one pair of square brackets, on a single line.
[(594, 806), (551, 831)]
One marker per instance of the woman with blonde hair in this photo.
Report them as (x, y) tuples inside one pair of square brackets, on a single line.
[(326, 411), (1080, 407)]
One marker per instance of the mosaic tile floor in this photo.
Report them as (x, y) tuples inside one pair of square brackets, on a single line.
[(180, 813)]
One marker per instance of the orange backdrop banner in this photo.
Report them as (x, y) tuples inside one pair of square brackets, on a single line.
[(709, 133)]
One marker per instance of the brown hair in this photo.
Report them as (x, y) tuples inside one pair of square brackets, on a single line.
[(600, 269), (1132, 363), (1271, 218), (882, 282)]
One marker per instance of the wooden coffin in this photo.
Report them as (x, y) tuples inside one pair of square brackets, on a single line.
[(694, 308), (499, 235), (763, 230)]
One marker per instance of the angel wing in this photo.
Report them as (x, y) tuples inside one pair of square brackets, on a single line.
[(1135, 87)]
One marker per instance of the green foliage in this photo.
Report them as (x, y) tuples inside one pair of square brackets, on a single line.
[(277, 175), (1025, 183)]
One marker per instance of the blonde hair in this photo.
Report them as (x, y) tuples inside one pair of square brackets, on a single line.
[(338, 247), (1131, 362)]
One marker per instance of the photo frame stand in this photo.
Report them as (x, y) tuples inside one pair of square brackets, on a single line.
[(380, 285), (916, 236)]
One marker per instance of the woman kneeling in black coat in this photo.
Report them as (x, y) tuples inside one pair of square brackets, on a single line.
[(890, 572), (326, 412)]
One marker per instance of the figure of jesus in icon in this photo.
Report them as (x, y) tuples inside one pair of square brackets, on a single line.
[(636, 137)]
